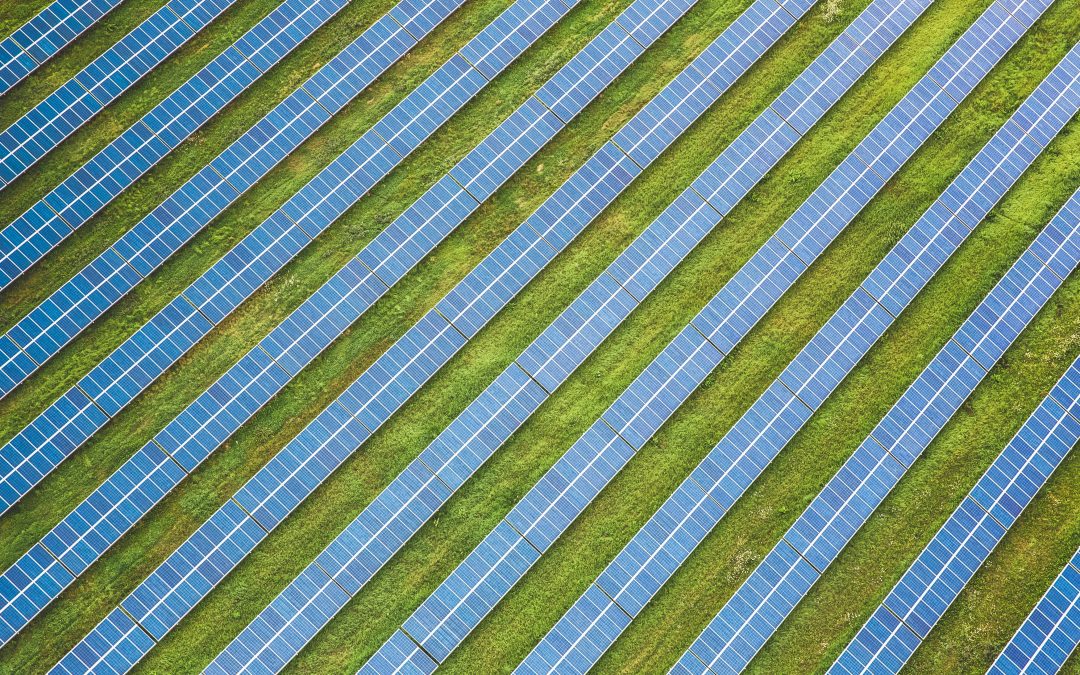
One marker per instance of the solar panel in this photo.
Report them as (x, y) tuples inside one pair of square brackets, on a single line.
[(196, 432), (37, 569), (191, 208), (400, 650), (699, 503), (506, 149), (694, 89), (651, 257), (43, 36), (102, 81), (202, 561), (120, 645), (233, 399), (406, 240), (592, 622), (1049, 634), (960, 547), (15, 64), (499, 277), (104, 516), (978, 51), (653, 396), (510, 34), (280, 486), (312, 597), (576, 332), (483, 579), (835, 349), (741, 303), (746, 161), (858, 488), (216, 293), (15, 365), (602, 451), (608, 54), (583, 196), (547, 510)]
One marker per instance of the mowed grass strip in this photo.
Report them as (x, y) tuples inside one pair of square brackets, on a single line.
[(58, 628)]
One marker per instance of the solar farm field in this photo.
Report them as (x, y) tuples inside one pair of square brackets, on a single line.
[(539, 336)]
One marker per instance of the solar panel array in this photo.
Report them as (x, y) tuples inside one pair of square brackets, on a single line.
[(1050, 633), (506, 149), (40, 38), (732, 639), (576, 468), (141, 146), (409, 501), (660, 547), (100, 83), (813, 542), (141, 250), (88, 531), (487, 574), (431, 343), (900, 624), (39, 576), (144, 356)]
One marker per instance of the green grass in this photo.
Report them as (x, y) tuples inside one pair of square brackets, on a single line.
[(968, 637)]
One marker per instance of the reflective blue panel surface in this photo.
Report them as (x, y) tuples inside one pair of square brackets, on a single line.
[(99, 83), (1050, 633), (661, 546), (40, 38)]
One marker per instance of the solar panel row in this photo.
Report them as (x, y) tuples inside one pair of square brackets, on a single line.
[(507, 553), (458, 605), (503, 152), (660, 547), (40, 38), (791, 568), (143, 357), (141, 250), (134, 488), (813, 542), (403, 369), (1050, 633), (100, 83), (84, 535), (141, 146), (925, 591), (399, 510)]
